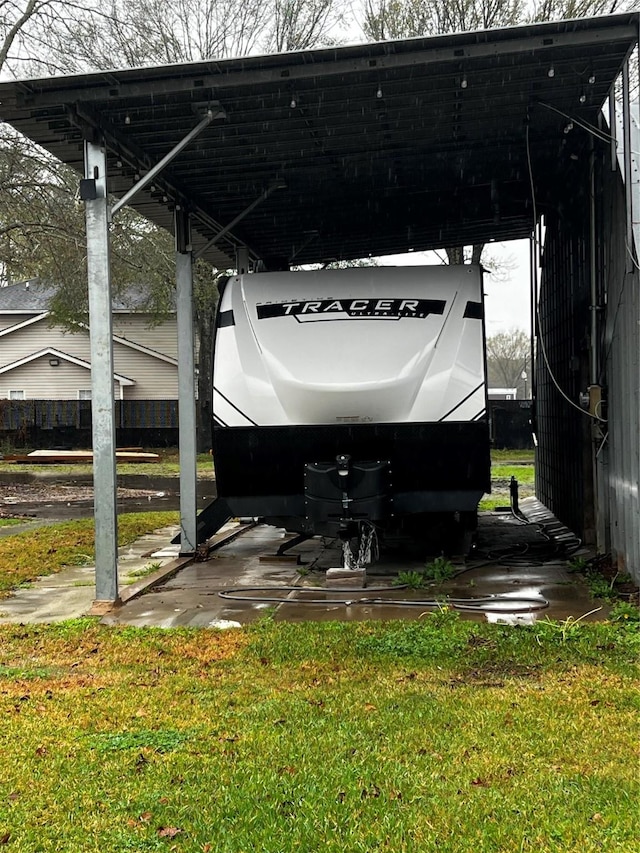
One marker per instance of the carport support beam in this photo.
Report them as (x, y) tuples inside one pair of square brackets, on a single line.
[(102, 403), (155, 170), (186, 384), (217, 237), (242, 260)]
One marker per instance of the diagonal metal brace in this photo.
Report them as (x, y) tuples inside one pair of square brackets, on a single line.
[(151, 174), (216, 237)]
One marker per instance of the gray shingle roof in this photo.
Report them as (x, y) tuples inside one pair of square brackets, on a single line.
[(27, 296), (34, 296)]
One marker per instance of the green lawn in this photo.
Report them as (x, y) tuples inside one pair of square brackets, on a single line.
[(524, 474), (429, 735), (168, 466), (512, 457), (46, 550), (516, 464)]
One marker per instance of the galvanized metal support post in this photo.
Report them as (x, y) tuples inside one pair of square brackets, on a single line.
[(242, 260), (186, 384), (94, 192)]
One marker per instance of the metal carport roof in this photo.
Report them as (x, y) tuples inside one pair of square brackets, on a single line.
[(381, 148)]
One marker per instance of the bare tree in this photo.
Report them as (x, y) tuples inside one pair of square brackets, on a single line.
[(299, 24), (27, 28), (556, 10), (508, 358), (393, 19), (15, 18), (131, 33), (43, 232)]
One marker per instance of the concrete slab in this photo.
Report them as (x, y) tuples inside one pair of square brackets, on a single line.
[(346, 578), (300, 593), (70, 593), (514, 560)]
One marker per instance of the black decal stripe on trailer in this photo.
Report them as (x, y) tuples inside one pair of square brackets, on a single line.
[(474, 311), (353, 308), (233, 406), (480, 414), (464, 400), (219, 422)]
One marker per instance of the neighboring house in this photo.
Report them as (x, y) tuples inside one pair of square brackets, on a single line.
[(45, 362)]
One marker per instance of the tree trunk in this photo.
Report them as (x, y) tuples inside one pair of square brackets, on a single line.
[(455, 254)]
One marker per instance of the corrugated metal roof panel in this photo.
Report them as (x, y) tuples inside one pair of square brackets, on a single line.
[(382, 147)]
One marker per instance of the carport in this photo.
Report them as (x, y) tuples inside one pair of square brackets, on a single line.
[(377, 149)]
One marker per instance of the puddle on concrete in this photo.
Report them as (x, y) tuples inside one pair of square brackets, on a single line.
[(191, 597)]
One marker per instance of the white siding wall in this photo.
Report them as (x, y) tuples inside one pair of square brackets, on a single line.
[(40, 381), (7, 320), (135, 327), (154, 379)]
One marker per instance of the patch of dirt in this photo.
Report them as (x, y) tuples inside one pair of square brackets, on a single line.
[(621, 583), (21, 493)]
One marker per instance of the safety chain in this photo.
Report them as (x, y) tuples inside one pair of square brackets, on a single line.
[(367, 552)]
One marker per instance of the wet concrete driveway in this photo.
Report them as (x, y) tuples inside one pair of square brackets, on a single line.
[(518, 571)]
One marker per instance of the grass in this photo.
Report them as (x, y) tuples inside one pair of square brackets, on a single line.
[(512, 457), (145, 571), (11, 522), (491, 502), (168, 466), (434, 734), (507, 464), (604, 580), (46, 550)]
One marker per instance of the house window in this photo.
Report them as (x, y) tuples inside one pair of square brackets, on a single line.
[(16, 395), (84, 394)]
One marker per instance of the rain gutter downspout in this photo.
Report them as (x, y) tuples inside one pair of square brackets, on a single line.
[(628, 177)]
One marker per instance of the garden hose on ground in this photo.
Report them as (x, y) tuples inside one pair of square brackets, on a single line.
[(500, 603), (515, 555)]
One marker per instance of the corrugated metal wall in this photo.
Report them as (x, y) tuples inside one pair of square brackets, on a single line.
[(587, 472), (621, 360), (563, 467)]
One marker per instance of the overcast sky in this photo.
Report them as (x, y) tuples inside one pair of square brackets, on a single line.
[(506, 295)]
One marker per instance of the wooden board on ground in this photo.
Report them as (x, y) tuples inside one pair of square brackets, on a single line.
[(65, 457)]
